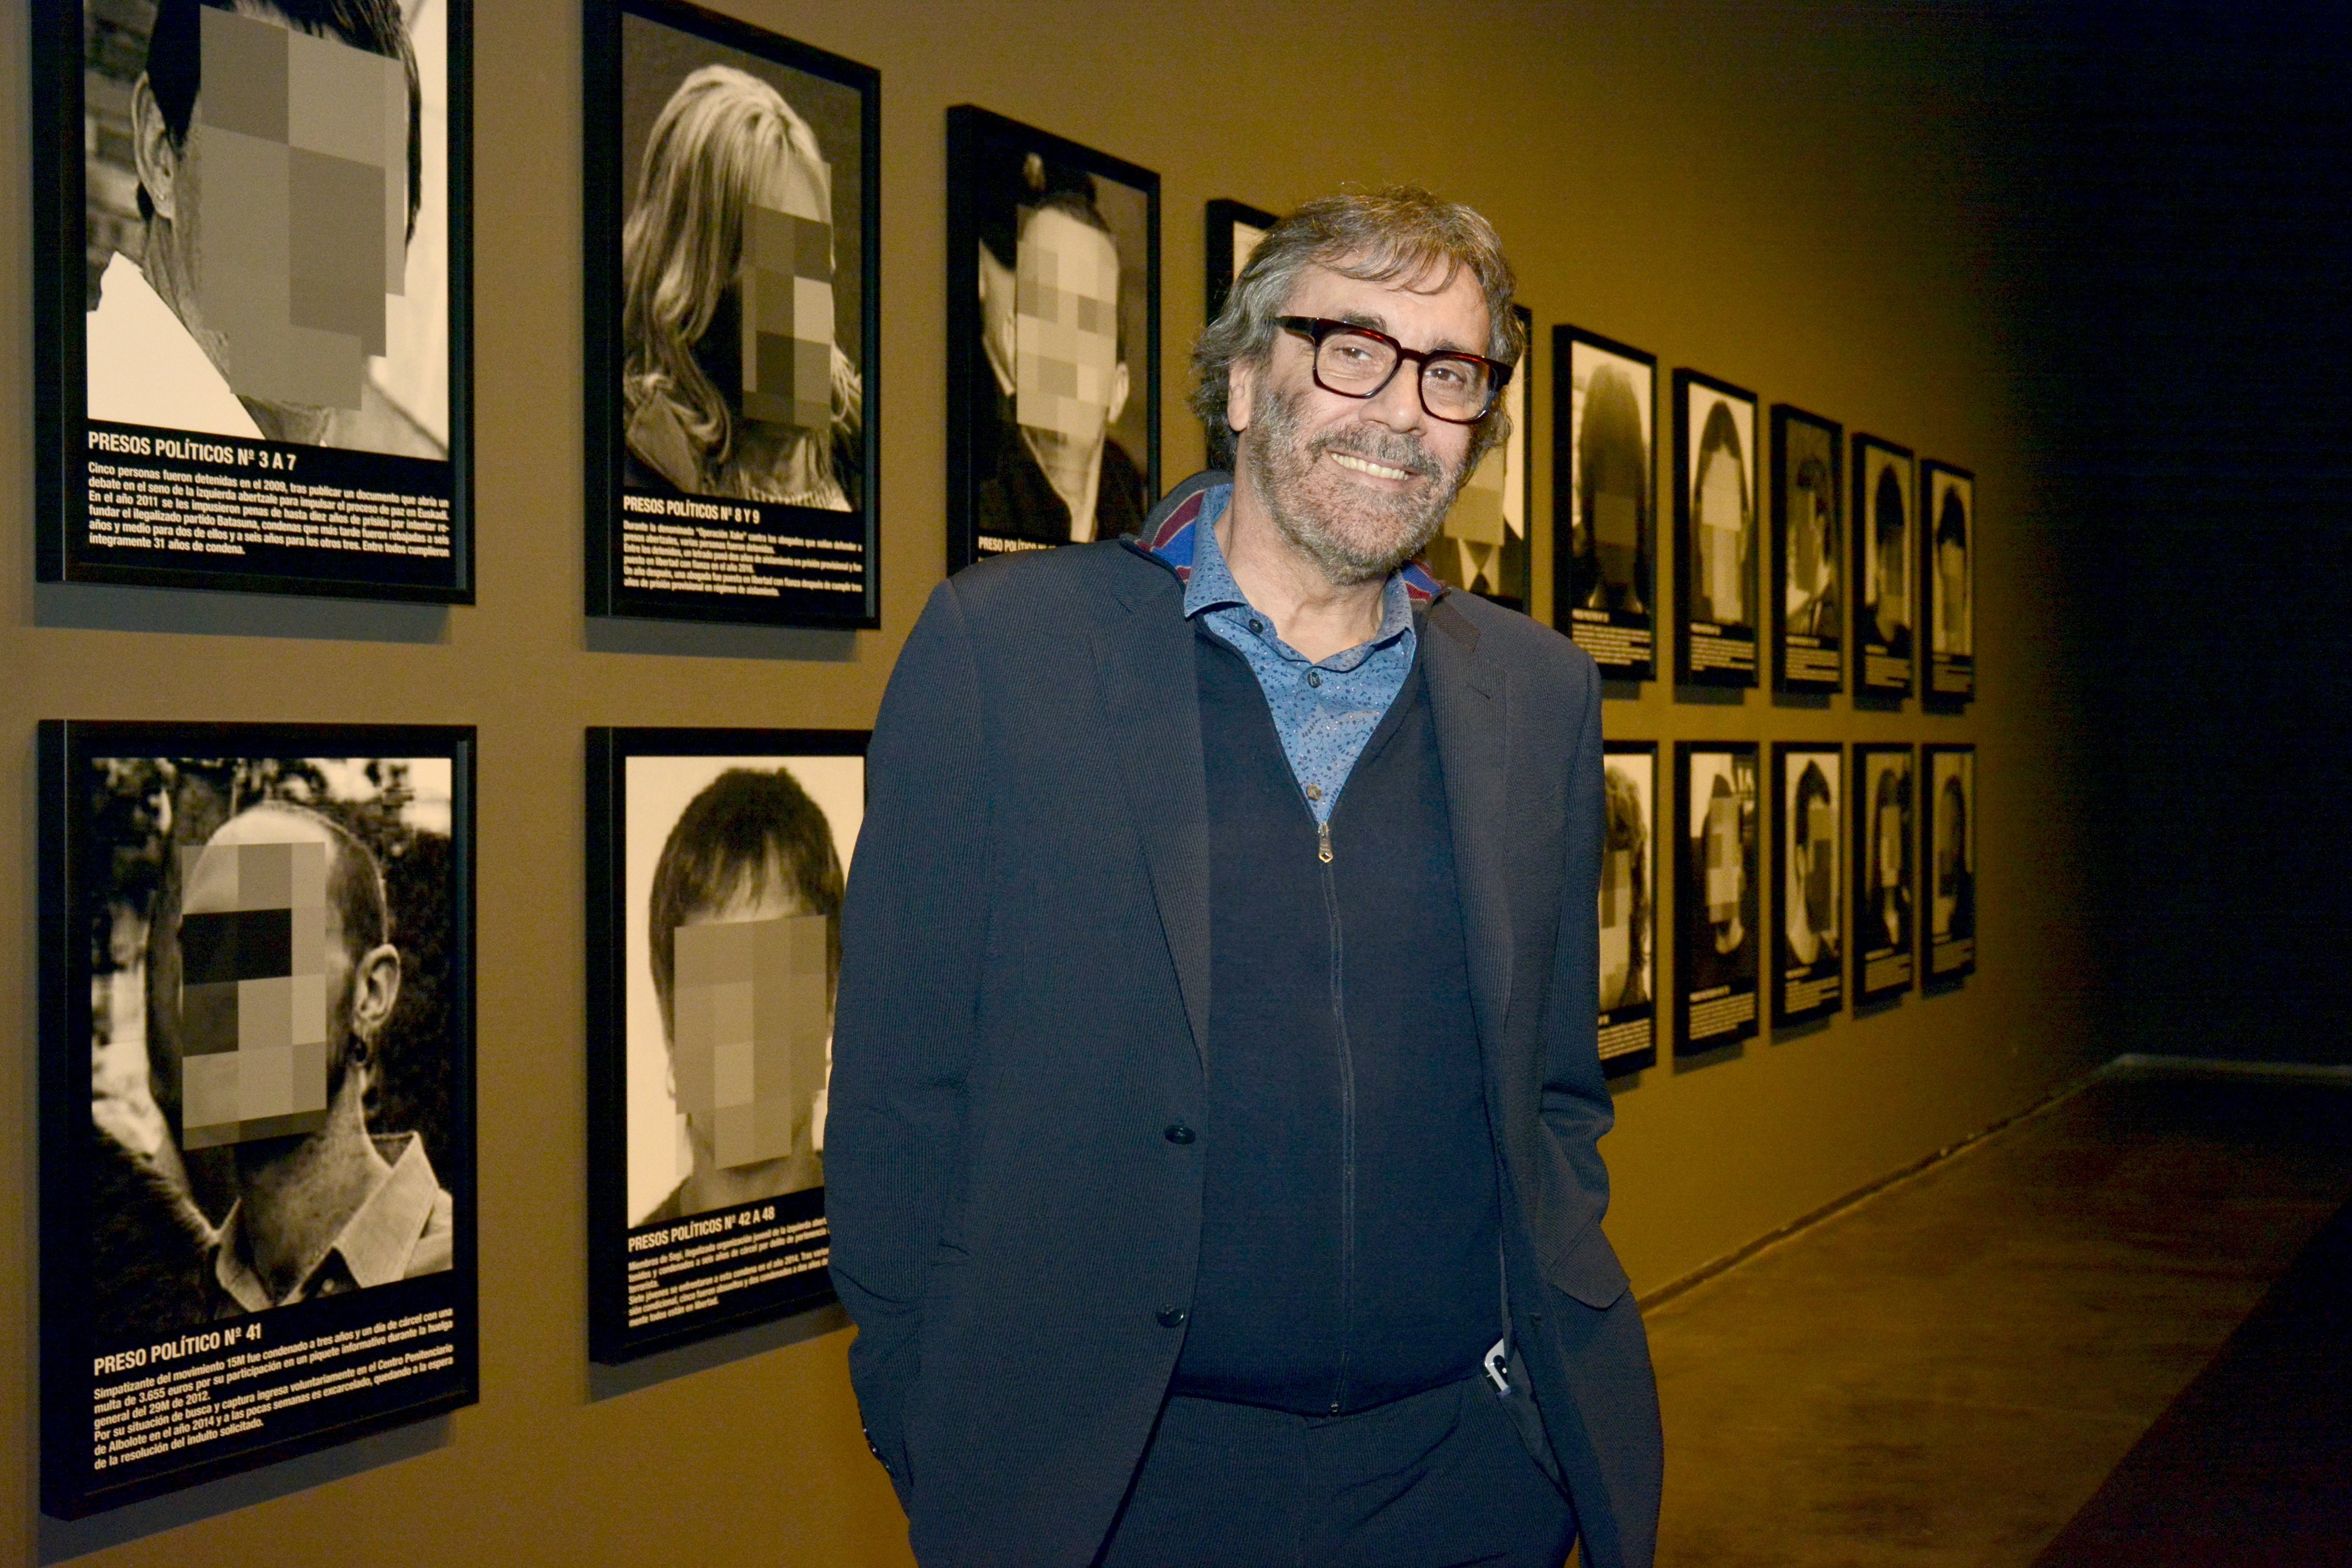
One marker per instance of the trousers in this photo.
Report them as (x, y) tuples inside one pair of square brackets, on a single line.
[(1436, 1480)]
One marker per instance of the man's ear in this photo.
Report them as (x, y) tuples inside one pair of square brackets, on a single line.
[(375, 990), (151, 146), (1119, 387), (1241, 395)]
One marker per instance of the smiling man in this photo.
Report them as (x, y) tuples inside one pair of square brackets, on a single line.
[(1215, 1097)]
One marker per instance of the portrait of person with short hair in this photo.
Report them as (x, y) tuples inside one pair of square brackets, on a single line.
[(1054, 403), (1626, 959), (1810, 924), (1883, 887), (735, 883), (1884, 562), (734, 380), (1951, 496), (272, 185), (1952, 860), (1720, 909)]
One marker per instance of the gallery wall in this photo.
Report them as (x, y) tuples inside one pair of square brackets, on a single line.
[(1821, 204)]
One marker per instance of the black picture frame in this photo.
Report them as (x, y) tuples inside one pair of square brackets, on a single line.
[(700, 1260), (1481, 548), (1808, 583), (176, 483), (1885, 788), (1716, 1003), (999, 497), (1714, 417), (151, 1377), (1948, 577), (1885, 637), (671, 532), (1604, 480), (1631, 844), (1948, 861), (1809, 901), (1230, 232)]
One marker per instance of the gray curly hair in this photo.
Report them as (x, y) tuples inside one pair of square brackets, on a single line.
[(1401, 233)]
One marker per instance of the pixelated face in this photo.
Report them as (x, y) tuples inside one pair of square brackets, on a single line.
[(1809, 543), (1725, 874), (1721, 501), (1065, 327), (1890, 843), (1616, 919), (787, 299), (1893, 555), (1952, 596), (298, 155), (1819, 854), (750, 1024), (257, 939)]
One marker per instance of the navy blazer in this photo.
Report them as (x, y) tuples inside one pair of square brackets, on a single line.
[(1024, 1015)]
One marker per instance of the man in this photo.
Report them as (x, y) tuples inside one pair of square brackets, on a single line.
[(1810, 596), (280, 178), (1810, 932), (1211, 1153), (1890, 599), (1719, 918), (287, 975), (1050, 335), (745, 922)]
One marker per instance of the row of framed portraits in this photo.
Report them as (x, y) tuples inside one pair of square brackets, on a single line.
[(1872, 886), (1798, 587), (257, 1185), (253, 353)]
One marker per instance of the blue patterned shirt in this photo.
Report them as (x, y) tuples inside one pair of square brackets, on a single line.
[(1324, 711)]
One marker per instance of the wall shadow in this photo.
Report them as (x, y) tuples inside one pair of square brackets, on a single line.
[(667, 1366)]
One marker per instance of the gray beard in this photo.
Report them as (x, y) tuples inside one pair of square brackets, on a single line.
[(1353, 537)]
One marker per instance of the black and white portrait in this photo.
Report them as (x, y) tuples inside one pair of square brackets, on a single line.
[(1808, 552), (1717, 899), (1882, 557), (1810, 904), (1716, 501), (1054, 339), (733, 884), (1482, 548), (1950, 863), (1628, 902), (1231, 232), (1948, 522), (1605, 539), (251, 296), (732, 280), (1883, 827), (273, 1074)]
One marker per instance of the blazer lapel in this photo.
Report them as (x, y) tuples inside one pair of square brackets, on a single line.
[(1470, 695), (1151, 707)]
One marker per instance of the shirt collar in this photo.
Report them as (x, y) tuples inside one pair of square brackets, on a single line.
[(374, 1244), (1186, 541)]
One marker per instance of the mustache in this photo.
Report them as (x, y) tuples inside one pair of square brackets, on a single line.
[(1393, 451)]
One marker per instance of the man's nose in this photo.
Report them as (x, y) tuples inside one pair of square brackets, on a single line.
[(1397, 405)]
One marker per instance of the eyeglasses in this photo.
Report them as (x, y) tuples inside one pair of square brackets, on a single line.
[(1356, 362)]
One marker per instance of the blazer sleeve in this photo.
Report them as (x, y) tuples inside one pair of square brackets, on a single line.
[(914, 927), (1577, 1108)]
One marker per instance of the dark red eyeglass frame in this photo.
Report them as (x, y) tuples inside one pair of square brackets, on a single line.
[(1315, 329)]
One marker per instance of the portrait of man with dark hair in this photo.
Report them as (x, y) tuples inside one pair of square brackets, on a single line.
[(1952, 888), (743, 938), (1809, 930), (1058, 448), (1955, 619), (1810, 593), (1886, 867), (1886, 533), (282, 272), (1625, 894)]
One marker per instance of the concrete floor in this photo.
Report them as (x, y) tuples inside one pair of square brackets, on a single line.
[(1942, 1374)]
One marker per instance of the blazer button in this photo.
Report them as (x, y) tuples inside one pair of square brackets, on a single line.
[(1173, 1317), (1178, 1133)]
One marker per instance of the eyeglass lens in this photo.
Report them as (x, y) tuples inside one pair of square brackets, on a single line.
[(1357, 365)]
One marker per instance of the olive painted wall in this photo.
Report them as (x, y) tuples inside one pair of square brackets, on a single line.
[(1824, 203)]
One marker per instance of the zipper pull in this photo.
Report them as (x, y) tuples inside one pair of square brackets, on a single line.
[(1323, 842)]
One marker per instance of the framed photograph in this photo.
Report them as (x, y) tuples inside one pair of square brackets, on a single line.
[(1715, 905), (1947, 512), (1808, 552), (1629, 907), (733, 221), (1882, 553), (256, 1089), (252, 332), (1483, 546), (716, 860), (1883, 935), (1232, 233), (1809, 894), (1949, 860), (1053, 340), (1604, 519), (1718, 484)]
